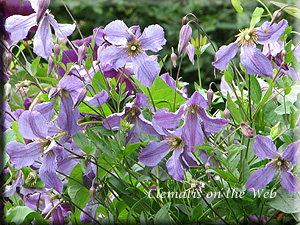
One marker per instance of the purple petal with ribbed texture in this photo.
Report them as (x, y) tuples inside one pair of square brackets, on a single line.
[(260, 178), (269, 34), (169, 80), (188, 159), (212, 125), (99, 99), (174, 165), (153, 153), (48, 173), (255, 62), (206, 159), (289, 182), (190, 49), (114, 120), (197, 99), (292, 153), (62, 30), (264, 148), (116, 32), (114, 56), (145, 69), (141, 100), (10, 190), (290, 71), (46, 109), (145, 125), (43, 41), (167, 119), (18, 26), (33, 125), (153, 38), (98, 32), (24, 155), (67, 118), (133, 136), (224, 55), (184, 38)]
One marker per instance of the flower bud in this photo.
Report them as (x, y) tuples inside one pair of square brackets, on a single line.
[(226, 114), (184, 20), (81, 54), (80, 98), (190, 49), (210, 95), (56, 51), (276, 16), (50, 66), (247, 130), (43, 6), (283, 54), (184, 38), (274, 98), (173, 58), (93, 193), (7, 61)]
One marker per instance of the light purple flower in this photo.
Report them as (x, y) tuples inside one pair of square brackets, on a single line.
[(190, 49), (99, 99), (128, 44), (252, 59), (18, 26), (184, 38), (264, 148)]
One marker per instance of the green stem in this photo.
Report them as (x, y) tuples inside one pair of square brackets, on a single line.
[(199, 74)]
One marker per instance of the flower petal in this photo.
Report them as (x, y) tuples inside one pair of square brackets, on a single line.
[(99, 99), (116, 32), (153, 38), (167, 119), (264, 148), (260, 178), (224, 55), (184, 38), (154, 153), (43, 41), (114, 120), (292, 153), (133, 136), (62, 30), (46, 109), (289, 182), (188, 159), (255, 62), (212, 125), (114, 56), (141, 100), (197, 99), (190, 49), (174, 166), (18, 26), (32, 125)]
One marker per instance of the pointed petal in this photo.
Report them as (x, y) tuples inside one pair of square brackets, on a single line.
[(206, 159), (255, 62), (154, 153), (46, 109), (169, 80), (224, 55), (24, 155), (292, 153), (32, 125), (189, 159), (264, 147), (99, 99), (18, 26), (145, 69), (114, 56), (260, 178), (153, 38), (184, 38), (141, 100), (34, 4), (289, 182), (99, 40), (174, 166), (116, 32), (190, 49), (212, 125), (167, 119), (114, 120), (43, 41), (48, 173), (133, 136), (197, 99), (62, 30), (145, 125)]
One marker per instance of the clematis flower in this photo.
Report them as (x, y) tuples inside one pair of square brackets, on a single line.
[(129, 45), (134, 116), (173, 142), (264, 148), (18, 26), (252, 59)]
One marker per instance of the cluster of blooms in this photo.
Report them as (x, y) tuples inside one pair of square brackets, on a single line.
[(120, 52)]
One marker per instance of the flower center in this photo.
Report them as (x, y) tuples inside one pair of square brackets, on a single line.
[(175, 142), (280, 163), (246, 37), (31, 179), (193, 110), (132, 113), (133, 48)]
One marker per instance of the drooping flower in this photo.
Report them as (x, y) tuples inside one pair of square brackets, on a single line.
[(129, 45), (252, 59), (264, 148), (184, 38), (18, 26)]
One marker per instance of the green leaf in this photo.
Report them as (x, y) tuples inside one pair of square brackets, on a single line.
[(162, 216), (285, 202), (234, 112), (130, 148), (294, 11), (24, 214), (266, 97), (50, 79), (237, 5), (255, 89), (197, 211), (225, 175), (82, 141), (78, 193), (228, 77), (99, 83), (256, 16), (236, 148), (246, 170), (34, 65), (19, 137)]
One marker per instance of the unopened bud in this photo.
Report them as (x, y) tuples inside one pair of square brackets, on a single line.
[(173, 58), (184, 20), (226, 114), (50, 66), (80, 98), (7, 60), (276, 16), (190, 49), (184, 38), (247, 130), (43, 6), (81, 54), (274, 98), (283, 54), (93, 193), (99, 50), (56, 51), (210, 95)]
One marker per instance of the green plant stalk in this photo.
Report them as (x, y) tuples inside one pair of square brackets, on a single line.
[(199, 73)]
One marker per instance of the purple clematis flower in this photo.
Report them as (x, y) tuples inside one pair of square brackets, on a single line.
[(156, 151), (134, 116), (252, 59), (18, 26), (264, 148), (128, 44)]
